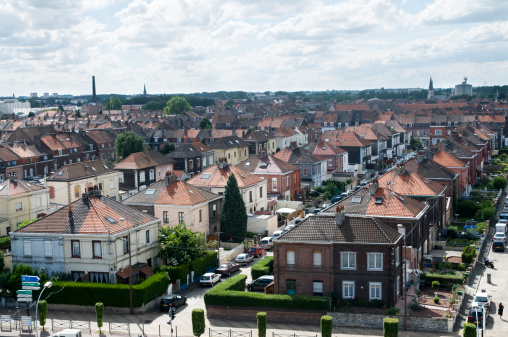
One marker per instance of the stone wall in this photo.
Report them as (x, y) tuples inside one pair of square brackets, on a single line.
[(272, 314)]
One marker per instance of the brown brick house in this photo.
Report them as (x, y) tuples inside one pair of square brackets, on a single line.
[(353, 257)]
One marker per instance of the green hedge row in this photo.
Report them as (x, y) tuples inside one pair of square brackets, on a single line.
[(204, 264), (232, 293), (262, 267), (5, 243), (112, 295), (446, 279), (179, 272), (468, 254), (390, 327)]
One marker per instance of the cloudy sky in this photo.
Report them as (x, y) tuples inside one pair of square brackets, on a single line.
[(186, 46)]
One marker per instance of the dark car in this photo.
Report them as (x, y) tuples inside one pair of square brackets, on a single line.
[(498, 246), (256, 251), (227, 268), (317, 210), (336, 199), (174, 300), (475, 315), (260, 283)]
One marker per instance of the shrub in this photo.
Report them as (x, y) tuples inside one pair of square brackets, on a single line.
[(392, 311), (436, 299), (469, 330), (326, 326), (444, 265), (487, 213), (203, 264), (390, 327), (262, 267), (261, 317), (42, 312), (444, 279), (467, 208), (462, 266), (99, 311), (198, 322), (415, 306), (499, 183), (174, 273), (5, 243), (435, 284), (468, 254)]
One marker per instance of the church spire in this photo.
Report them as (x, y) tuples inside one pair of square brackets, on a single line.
[(144, 89), (431, 89)]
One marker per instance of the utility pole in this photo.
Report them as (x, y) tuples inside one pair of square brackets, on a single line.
[(130, 276)]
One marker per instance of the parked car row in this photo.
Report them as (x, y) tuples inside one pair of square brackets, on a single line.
[(480, 308)]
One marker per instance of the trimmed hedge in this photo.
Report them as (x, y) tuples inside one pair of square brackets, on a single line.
[(198, 322), (5, 243), (468, 254), (390, 327), (204, 263), (112, 295), (262, 267), (446, 279), (179, 272), (326, 326), (261, 317), (469, 330), (232, 293)]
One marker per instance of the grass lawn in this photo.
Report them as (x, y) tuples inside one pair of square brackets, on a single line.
[(459, 242)]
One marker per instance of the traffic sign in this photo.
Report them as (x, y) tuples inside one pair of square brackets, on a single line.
[(31, 288), (31, 284), (28, 278), (24, 292), (24, 295), (24, 299)]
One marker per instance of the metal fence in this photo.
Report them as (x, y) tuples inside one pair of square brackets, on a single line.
[(228, 333), (291, 335), (119, 327)]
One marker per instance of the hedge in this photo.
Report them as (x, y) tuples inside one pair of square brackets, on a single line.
[(198, 322), (112, 295), (326, 326), (5, 243), (232, 293), (204, 263), (179, 272), (262, 267), (468, 257), (469, 330), (390, 327), (261, 318), (443, 279)]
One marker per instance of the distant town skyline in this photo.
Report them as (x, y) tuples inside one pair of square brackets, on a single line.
[(254, 46)]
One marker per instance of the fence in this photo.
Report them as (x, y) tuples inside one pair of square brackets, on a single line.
[(291, 335), (228, 333)]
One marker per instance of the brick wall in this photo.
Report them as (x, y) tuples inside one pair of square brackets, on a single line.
[(272, 314)]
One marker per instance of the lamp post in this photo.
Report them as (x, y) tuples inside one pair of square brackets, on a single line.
[(46, 285)]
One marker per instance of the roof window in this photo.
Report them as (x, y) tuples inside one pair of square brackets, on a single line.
[(60, 173), (150, 192), (2, 187), (110, 219), (356, 200), (206, 176), (379, 200)]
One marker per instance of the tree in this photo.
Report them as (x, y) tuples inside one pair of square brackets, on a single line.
[(499, 183), (416, 143), (261, 317), (229, 104), (181, 245), (42, 312), (60, 108), (19, 270), (198, 322), (127, 143), (114, 103), (99, 312), (31, 114), (177, 105), (167, 148), (78, 114), (205, 123), (2, 261), (233, 216)]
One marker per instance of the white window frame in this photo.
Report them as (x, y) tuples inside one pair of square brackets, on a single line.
[(346, 285), (38, 200), (152, 174), (330, 162), (375, 256), (375, 285), (27, 248), (274, 184), (317, 285), (348, 267), (397, 256), (317, 258), (398, 285), (111, 183), (19, 206), (290, 257), (142, 176), (438, 132)]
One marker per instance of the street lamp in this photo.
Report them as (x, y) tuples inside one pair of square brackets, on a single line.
[(46, 285)]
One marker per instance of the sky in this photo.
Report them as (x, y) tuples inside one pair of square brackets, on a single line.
[(188, 46)]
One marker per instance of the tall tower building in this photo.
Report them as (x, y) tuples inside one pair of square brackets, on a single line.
[(94, 95), (144, 89), (431, 89)]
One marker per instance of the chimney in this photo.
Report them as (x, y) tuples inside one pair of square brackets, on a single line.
[(420, 158), (455, 134), (71, 221), (222, 163), (262, 153), (293, 145), (373, 186), (340, 215), (94, 95), (169, 179), (433, 149)]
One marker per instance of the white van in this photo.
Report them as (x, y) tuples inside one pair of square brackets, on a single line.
[(501, 228), (68, 333), (266, 243)]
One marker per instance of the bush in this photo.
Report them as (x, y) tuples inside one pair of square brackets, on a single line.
[(499, 183), (435, 284), (262, 267), (198, 322), (469, 330), (261, 317), (462, 266), (415, 306), (468, 254), (436, 299), (467, 208), (42, 312), (204, 263), (487, 213), (444, 279), (390, 327), (5, 242), (99, 311), (444, 265), (174, 273), (392, 311), (326, 326)]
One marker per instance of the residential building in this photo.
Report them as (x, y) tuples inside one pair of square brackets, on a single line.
[(233, 148), (259, 140), (192, 157), (359, 150), (103, 142), (336, 158)]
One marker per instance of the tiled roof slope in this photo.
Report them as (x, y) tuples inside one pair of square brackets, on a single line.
[(429, 169), (10, 187), (273, 165), (80, 170), (90, 217), (141, 160), (410, 183), (323, 228), (215, 177)]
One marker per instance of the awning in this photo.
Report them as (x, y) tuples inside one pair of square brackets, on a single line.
[(285, 210), (147, 270), (126, 272), (272, 202)]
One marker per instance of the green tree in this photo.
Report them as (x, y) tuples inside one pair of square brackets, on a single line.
[(42, 312), (205, 123), (4, 280), (416, 143), (60, 108), (31, 114), (153, 105), (127, 143), (499, 183), (99, 312), (198, 322), (229, 104), (261, 317), (177, 105), (2, 261), (180, 244), (167, 148), (233, 216), (19, 270), (114, 103), (78, 114)]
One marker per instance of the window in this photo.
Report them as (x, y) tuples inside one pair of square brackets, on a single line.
[(27, 248), (291, 287), (418, 133), (374, 290), (38, 200), (348, 260), (159, 172), (100, 186), (424, 133), (245, 152), (51, 192), (229, 155), (198, 163), (165, 218), (348, 289), (317, 288), (76, 251), (96, 247), (211, 159), (77, 191), (142, 177), (438, 133), (191, 164), (59, 152), (200, 216), (398, 285), (147, 236), (330, 162), (19, 206), (274, 184), (125, 244), (295, 177), (305, 172), (261, 192), (111, 183), (152, 174), (290, 257), (204, 161), (48, 250), (214, 209), (120, 177), (180, 217), (397, 256), (250, 196), (317, 257), (374, 261), (98, 277), (287, 181)]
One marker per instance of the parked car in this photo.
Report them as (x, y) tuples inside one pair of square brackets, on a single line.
[(227, 268), (500, 237), (475, 315), (325, 206), (174, 300), (317, 210), (503, 216), (498, 246), (276, 234), (349, 192), (288, 227), (266, 243), (297, 221), (260, 283), (344, 195), (336, 199), (244, 259), (502, 221), (256, 251), (482, 298), (209, 279)]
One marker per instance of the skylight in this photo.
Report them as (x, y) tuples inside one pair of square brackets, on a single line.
[(28, 184), (191, 192), (150, 192), (94, 169), (236, 140), (110, 219), (206, 176), (2, 187), (60, 173), (356, 199), (105, 167), (379, 200), (247, 163), (231, 142)]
